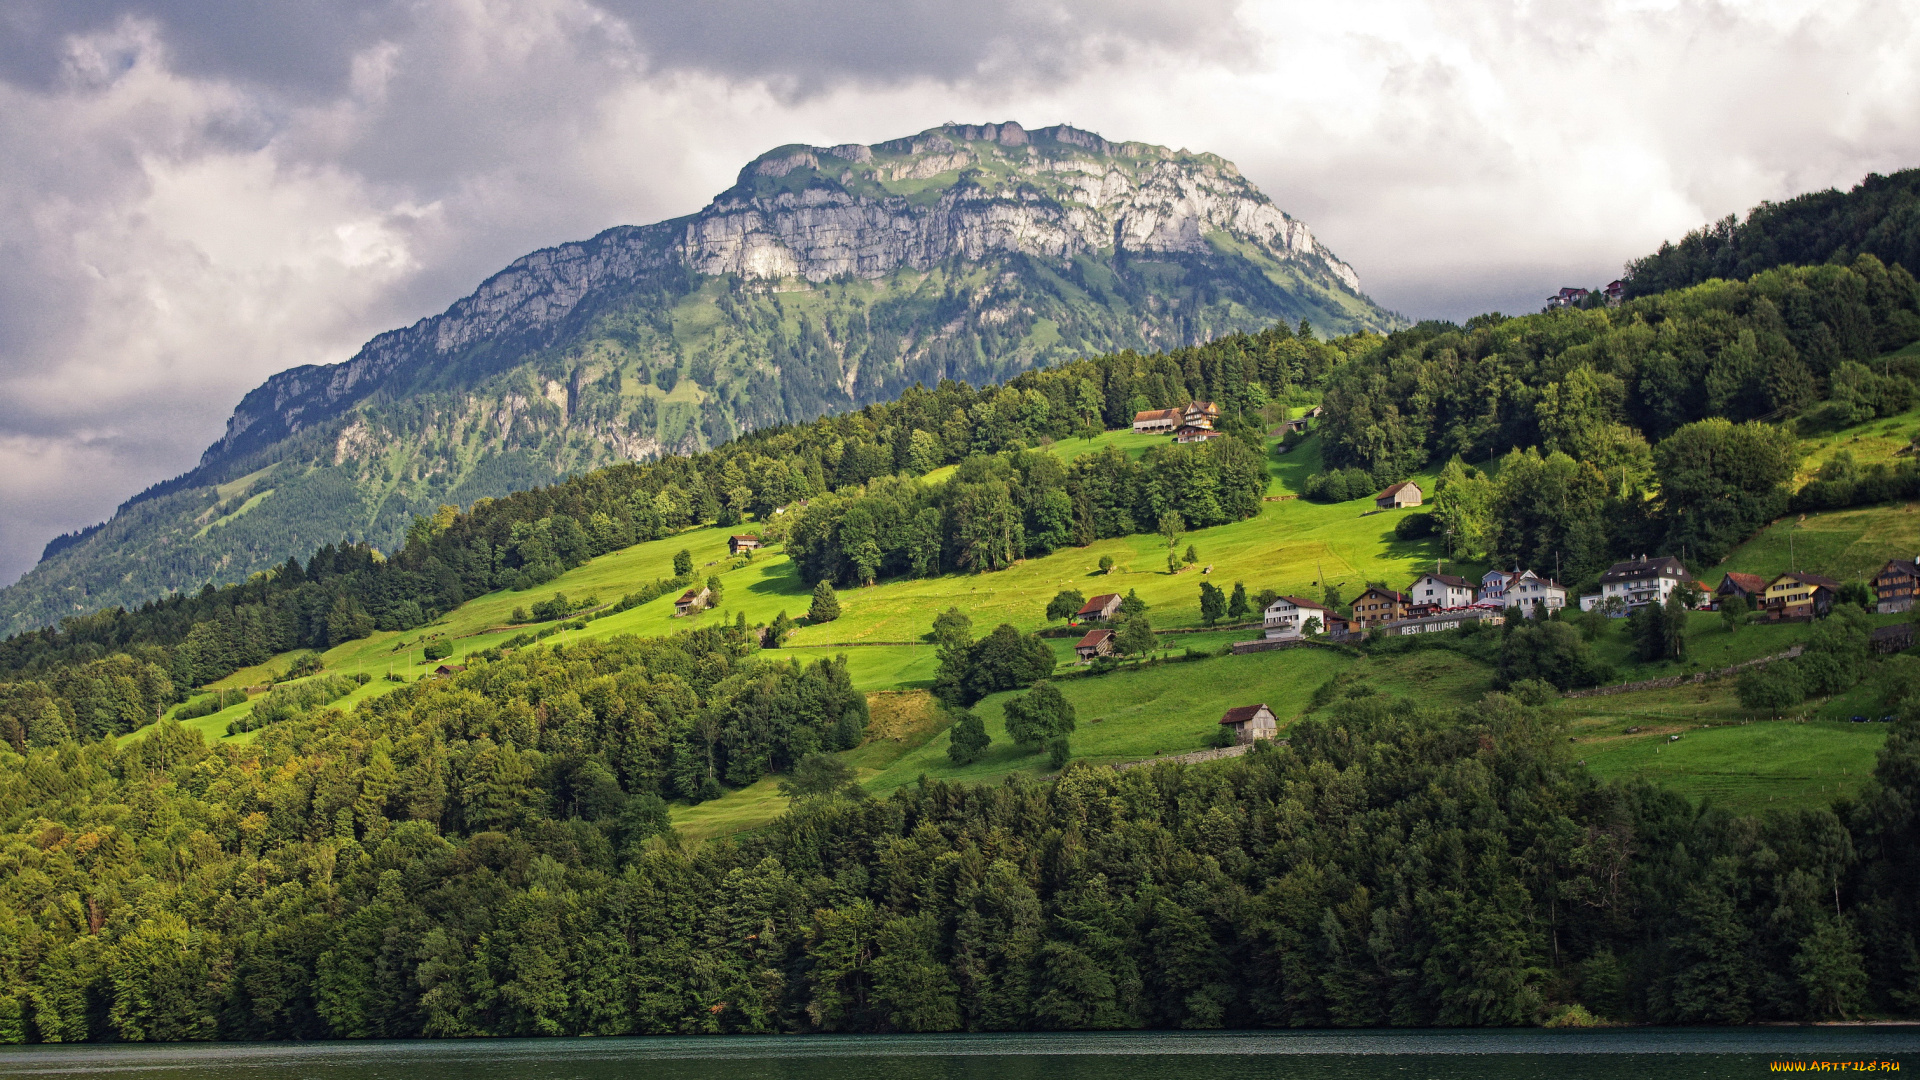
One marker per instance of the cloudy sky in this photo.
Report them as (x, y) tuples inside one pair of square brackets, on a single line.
[(195, 194)]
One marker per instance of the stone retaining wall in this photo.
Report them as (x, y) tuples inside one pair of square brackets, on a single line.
[(1682, 680)]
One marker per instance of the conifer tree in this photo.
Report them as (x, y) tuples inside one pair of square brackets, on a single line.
[(826, 606)]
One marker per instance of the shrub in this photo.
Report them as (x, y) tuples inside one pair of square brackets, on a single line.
[(968, 739), (1415, 527)]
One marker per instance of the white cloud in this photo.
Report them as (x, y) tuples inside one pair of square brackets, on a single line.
[(187, 207)]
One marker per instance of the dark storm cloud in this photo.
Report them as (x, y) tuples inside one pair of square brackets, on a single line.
[(303, 48)]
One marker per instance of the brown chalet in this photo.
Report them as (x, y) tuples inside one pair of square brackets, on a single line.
[(1097, 643), (1893, 587), (1404, 493), (1749, 587), (1250, 722), (1200, 413), (1104, 606), (693, 600), (1375, 606), (1189, 433), (738, 544)]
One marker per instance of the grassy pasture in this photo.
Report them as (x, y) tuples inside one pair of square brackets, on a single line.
[(1291, 546)]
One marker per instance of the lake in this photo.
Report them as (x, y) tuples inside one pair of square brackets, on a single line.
[(1668, 1053)]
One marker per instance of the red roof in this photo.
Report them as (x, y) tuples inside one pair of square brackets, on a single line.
[(689, 596), (1157, 414), (744, 536), (1097, 604), (1298, 602), (1752, 583), (1240, 714), (1396, 597), (1094, 637), (1394, 489)]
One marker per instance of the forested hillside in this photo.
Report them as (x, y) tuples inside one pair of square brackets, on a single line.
[(491, 852), (1647, 427), (1879, 217), (484, 856), (867, 515), (825, 279)]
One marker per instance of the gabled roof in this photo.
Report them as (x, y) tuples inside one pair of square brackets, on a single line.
[(1093, 606), (1746, 582), (1240, 714), (1094, 637), (1395, 489), (1643, 567), (1300, 603), (1446, 579), (1204, 406), (1897, 567), (1806, 579), (744, 536), (1396, 597), (690, 595), (1157, 414)]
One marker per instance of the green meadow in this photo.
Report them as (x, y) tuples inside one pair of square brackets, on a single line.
[(1163, 709)]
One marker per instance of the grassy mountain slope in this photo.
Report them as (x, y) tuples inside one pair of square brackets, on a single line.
[(815, 285), (1133, 714)]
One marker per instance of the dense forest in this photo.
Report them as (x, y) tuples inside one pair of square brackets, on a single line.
[(489, 855), (1879, 217)]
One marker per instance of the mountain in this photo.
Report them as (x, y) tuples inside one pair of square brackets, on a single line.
[(826, 278), (1879, 217)]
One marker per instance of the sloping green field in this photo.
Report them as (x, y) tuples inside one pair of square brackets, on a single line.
[(1291, 546)]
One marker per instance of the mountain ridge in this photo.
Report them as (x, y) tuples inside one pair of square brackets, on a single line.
[(823, 279)]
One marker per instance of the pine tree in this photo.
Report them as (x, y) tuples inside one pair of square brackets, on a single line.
[(826, 606), (1237, 605)]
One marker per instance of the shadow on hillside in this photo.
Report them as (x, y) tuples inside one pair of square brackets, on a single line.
[(1292, 468)]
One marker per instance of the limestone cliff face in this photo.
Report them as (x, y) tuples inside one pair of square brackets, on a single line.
[(1082, 195), (816, 213)]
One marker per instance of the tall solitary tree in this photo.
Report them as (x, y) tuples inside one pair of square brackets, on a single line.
[(682, 563), (826, 606), (1065, 604), (1237, 607)]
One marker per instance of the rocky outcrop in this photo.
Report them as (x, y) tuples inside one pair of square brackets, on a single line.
[(822, 212)]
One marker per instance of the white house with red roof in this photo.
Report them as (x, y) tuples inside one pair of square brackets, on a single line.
[(1287, 618)]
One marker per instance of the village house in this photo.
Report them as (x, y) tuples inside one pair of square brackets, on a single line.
[(1431, 591), (1315, 413), (1800, 596), (1705, 592), (1104, 606), (1444, 620), (1638, 581), (1190, 434), (1156, 421), (1531, 594), (1097, 643), (738, 544), (1376, 606), (1404, 493), (1749, 587), (1250, 722), (1200, 413), (1615, 292), (1493, 584), (1287, 617), (1567, 298), (693, 600), (1893, 587)]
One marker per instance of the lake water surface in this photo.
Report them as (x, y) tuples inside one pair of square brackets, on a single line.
[(1671, 1054)]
